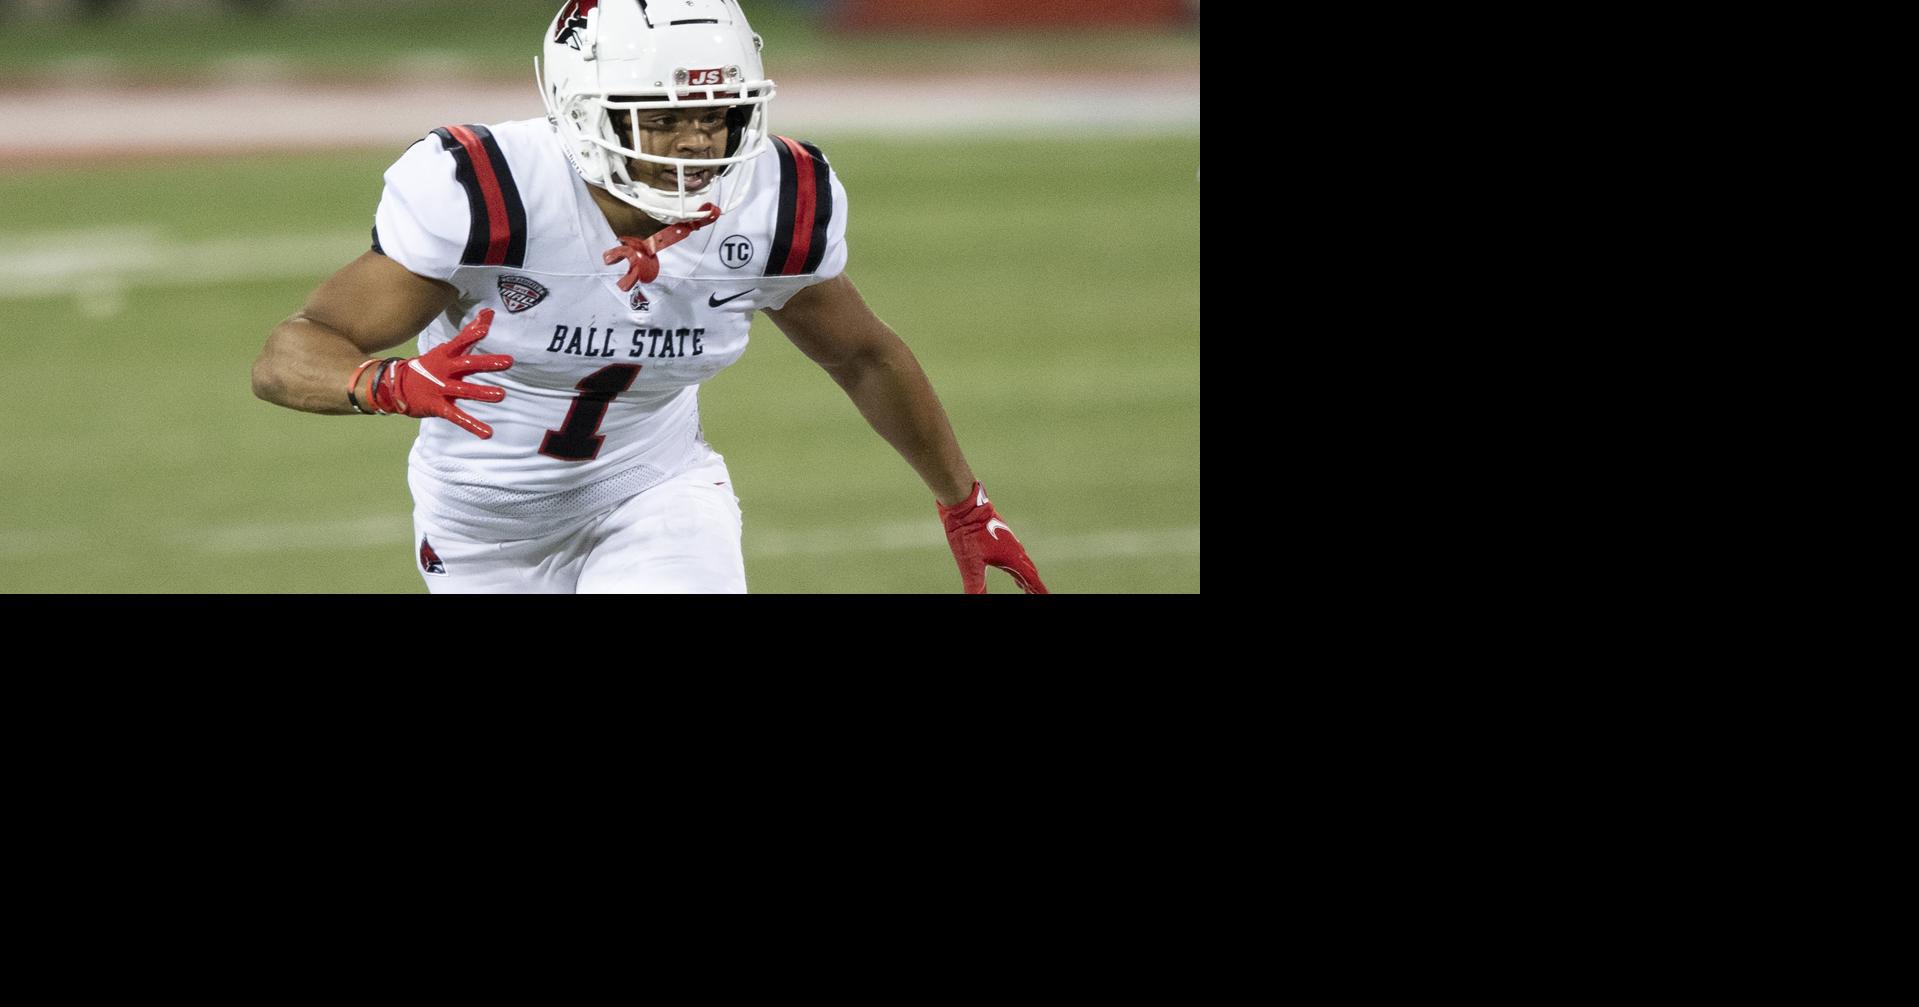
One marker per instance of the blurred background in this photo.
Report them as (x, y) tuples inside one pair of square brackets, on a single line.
[(175, 175)]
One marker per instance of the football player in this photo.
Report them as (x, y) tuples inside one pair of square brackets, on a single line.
[(572, 280)]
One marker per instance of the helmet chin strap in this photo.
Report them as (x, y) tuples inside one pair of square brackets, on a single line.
[(664, 217), (623, 175), (642, 255)]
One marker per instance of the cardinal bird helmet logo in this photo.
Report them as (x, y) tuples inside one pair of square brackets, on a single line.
[(573, 21)]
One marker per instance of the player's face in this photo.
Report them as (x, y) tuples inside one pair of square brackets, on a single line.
[(673, 132)]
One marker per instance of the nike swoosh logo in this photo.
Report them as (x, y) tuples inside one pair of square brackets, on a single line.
[(414, 364), (715, 300), (1002, 524)]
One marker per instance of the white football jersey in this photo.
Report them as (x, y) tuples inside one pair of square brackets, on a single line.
[(602, 400)]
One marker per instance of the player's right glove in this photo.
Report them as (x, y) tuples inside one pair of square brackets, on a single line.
[(427, 384), (980, 539)]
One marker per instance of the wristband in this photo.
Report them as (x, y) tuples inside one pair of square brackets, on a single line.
[(379, 376), (392, 393), (354, 382)]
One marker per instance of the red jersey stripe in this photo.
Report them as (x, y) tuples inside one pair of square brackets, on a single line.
[(499, 232), (804, 207)]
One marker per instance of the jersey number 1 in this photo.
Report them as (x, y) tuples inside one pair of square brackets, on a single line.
[(578, 439)]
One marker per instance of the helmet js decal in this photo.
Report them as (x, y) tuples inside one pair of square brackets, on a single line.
[(573, 19), (520, 293), (430, 560)]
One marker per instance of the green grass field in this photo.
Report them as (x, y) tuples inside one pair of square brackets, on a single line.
[(1051, 290)]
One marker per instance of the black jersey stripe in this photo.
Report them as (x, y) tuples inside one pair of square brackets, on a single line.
[(479, 235), (510, 190), (492, 177), (789, 200)]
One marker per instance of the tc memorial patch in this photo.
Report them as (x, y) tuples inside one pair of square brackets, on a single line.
[(520, 293)]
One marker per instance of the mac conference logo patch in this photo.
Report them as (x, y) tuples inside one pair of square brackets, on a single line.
[(520, 293)]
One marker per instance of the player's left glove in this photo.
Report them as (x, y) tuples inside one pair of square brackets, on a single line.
[(980, 539), (427, 384)]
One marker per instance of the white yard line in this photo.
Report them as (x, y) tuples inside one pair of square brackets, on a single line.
[(383, 531), (98, 267), (80, 121), (387, 532), (901, 536), (25, 545)]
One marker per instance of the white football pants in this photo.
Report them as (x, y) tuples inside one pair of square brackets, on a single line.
[(680, 537)]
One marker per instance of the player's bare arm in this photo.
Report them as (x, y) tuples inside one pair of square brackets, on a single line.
[(371, 304), (831, 323)]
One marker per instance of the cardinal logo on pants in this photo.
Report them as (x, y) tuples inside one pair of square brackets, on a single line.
[(430, 560)]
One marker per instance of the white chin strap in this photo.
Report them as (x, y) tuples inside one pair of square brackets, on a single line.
[(664, 205)]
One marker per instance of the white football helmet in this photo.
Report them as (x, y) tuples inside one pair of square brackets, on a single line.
[(605, 56)]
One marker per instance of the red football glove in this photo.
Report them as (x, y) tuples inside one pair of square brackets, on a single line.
[(980, 539), (427, 384)]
